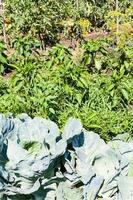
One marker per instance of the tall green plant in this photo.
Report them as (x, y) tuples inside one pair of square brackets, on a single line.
[(39, 18)]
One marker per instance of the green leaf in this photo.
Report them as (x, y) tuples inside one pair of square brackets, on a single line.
[(3, 59), (122, 71), (98, 64), (84, 82), (125, 94), (88, 60), (79, 98), (94, 126), (52, 110), (111, 86)]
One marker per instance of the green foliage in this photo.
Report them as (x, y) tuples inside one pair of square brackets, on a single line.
[(58, 86), (123, 31), (24, 46), (92, 81), (3, 58), (45, 20), (38, 18), (100, 56)]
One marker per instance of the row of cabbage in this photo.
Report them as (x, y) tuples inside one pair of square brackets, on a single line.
[(39, 162)]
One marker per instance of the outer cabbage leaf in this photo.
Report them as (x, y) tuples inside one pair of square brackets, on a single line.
[(125, 185), (37, 162), (67, 192)]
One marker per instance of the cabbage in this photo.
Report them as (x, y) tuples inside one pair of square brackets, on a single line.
[(39, 162)]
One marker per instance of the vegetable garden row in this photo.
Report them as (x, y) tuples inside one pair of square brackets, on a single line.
[(61, 61), (37, 162)]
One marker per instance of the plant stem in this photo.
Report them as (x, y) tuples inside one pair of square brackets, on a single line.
[(117, 21)]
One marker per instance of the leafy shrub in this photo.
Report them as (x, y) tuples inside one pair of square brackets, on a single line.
[(123, 31), (37, 18), (45, 20), (57, 88), (38, 162), (24, 47), (101, 55), (66, 82)]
